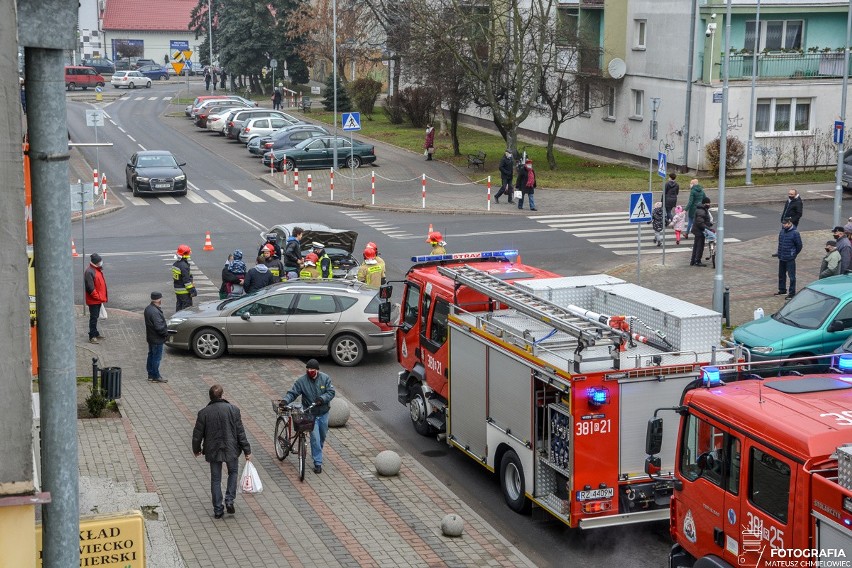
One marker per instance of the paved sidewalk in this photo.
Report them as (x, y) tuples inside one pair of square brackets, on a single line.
[(346, 516)]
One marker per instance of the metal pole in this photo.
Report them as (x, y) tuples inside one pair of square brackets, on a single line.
[(55, 292), (719, 277), (751, 106), (97, 150), (334, 71), (83, 231), (210, 36), (665, 219), (638, 253), (689, 72), (352, 162), (838, 178)]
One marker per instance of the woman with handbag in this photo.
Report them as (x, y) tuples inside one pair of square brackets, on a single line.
[(526, 185), (429, 144)]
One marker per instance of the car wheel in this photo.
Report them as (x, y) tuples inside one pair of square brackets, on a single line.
[(182, 193), (132, 85), (353, 162), (127, 182), (115, 86), (148, 84), (279, 166), (85, 88), (290, 165), (71, 86), (513, 484), (347, 350), (208, 344), (135, 190)]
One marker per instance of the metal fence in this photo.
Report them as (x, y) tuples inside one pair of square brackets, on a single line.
[(788, 65)]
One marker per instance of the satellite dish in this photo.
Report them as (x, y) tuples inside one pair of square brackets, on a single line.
[(616, 68)]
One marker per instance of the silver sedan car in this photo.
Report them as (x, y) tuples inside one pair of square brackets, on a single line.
[(338, 319)]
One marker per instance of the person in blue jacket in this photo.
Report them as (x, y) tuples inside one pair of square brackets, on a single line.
[(789, 247), (314, 387)]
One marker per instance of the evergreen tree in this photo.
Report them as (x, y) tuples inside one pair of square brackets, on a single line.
[(344, 103)]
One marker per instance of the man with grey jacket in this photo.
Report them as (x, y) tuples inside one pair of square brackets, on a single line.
[(314, 387), (220, 436)]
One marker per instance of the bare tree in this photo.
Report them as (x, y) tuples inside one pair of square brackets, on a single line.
[(818, 149)]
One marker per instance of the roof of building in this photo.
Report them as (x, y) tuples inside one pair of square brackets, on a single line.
[(148, 15)]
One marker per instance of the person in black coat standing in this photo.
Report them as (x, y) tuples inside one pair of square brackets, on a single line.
[(507, 168), (156, 333), (670, 191), (793, 207), (219, 435), (702, 221)]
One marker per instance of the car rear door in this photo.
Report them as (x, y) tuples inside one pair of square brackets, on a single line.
[(260, 325), (312, 323)]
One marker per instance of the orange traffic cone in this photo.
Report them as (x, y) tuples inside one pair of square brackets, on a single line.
[(73, 249), (208, 244), (430, 228)]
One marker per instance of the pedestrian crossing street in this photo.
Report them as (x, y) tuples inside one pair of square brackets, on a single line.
[(203, 196), (613, 231)]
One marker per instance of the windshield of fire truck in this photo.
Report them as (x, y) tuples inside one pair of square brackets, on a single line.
[(808, 309)]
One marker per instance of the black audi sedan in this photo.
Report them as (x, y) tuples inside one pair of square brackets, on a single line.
[(155, 171)]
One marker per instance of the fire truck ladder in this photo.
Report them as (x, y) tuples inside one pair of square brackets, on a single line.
[(587, 333)]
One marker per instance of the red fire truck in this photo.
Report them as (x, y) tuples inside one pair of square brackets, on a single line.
[(763, 475), (548, 381)]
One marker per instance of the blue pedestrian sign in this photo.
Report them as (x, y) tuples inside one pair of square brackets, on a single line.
[(351, 121), (640, 207), (661, 168), (838, 132)]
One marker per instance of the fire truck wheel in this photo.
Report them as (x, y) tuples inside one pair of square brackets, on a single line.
[(417, 410), (513, 484)]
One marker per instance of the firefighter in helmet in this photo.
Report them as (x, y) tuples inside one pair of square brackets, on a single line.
[(310, 270), (182, 278), (273, 263), (271, 239), (324, 264), (371, 272), (379, 259), (437, 241)]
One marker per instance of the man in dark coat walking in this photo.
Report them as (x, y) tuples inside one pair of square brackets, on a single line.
[(789, 247), (220, 436), (793, 207), (702, 221), (507, 168), (670, 191), (156, 334)]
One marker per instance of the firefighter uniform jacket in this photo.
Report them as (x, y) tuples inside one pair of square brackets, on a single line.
[(182, 278), (276, 268), (371, 273), (309, 273)]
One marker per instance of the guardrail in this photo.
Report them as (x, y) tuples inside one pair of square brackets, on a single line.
[(788, 65)]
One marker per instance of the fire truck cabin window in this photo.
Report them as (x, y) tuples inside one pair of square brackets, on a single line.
[(702, 451), (412, 299), (769, 484), (438, 332)]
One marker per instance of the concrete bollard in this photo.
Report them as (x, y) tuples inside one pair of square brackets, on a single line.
[(452, 525), (388, 463), (338, 414)]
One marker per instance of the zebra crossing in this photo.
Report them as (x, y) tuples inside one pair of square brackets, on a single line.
[(367, 218), (205, 196), (613, 231), (203, 285)]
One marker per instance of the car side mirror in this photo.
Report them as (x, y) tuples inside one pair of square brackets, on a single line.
[(654, 436), (245, 316), (385, 312), (836, 325), (129, 165), (182, 164)]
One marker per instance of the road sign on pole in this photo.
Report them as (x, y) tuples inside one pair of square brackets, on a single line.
[(661, 167), (351, 121), (838, 132), (94, 117), (640, 207)]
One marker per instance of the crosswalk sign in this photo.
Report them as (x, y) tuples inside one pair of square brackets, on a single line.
[(351, 120), (662, 166), (640, 207)]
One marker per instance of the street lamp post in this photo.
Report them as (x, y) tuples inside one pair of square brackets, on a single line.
[(210, 36), (334, 73), (719, 277), (838, 178), (750, 147)]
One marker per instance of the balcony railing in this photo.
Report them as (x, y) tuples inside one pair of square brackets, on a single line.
[(788, 65), (591, 60)]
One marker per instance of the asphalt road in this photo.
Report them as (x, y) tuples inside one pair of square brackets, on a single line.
[(138, 243)]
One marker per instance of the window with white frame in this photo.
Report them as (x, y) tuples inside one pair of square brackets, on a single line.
[(775, 35), (639, 38), (610, 102), (638, 103), (783, 116)]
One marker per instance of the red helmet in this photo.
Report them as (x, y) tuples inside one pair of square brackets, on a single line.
[(184, 250), (268, 248), (312, 258), (435, 237), (369, 253), (372, 245)]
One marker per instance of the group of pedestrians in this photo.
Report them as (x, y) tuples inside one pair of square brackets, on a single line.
[(525, 184), (695, 218)]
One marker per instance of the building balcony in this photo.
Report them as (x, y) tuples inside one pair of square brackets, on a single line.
[(788, 65), (591, 60)]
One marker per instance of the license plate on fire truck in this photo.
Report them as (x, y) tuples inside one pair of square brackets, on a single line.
[(595, 494)]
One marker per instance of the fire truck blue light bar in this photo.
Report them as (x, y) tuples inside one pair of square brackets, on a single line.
[(510, 255)]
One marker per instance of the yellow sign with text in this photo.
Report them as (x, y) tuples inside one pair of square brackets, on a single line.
[(116, 541)]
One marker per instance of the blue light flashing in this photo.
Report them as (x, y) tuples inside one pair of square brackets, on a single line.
[(510, 255), (597, 396), (844, 363), (711, 378), (847, 522)]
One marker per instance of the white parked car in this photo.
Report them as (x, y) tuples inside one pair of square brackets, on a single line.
[(217, 123), (262, 127), (130, 79)]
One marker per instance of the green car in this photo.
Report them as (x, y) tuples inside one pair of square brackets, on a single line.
[(815, 322), (319, 153)]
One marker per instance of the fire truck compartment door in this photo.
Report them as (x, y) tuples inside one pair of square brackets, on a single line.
[(831, 535), (467, 392), (638, 399), (510, 394)]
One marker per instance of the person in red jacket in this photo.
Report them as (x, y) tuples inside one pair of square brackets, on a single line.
[(96, 294)]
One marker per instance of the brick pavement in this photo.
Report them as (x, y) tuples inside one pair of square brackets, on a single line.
[(347, 516)]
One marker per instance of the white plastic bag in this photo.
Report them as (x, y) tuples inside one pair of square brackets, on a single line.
[(103, 313), (519, 194), (250, 480)]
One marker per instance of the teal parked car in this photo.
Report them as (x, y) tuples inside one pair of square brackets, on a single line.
[(815, 322), (319, 153)]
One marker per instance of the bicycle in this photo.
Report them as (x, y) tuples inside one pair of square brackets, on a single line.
[(710, 237), (292, 428)]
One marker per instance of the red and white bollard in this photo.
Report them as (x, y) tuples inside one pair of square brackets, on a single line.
[(373, 187), (272, 163), (296, 179), (424, 191), (96, 185), (310, 187), (284, 168), (489, 193), (104, 187), (332, 184)]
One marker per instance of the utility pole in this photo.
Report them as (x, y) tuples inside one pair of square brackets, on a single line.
[(838, 177), (719, 277), (210, 37), (689, 78), (751, 109), (334, 73)]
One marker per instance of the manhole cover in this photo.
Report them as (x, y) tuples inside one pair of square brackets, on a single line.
[(369, 406)]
